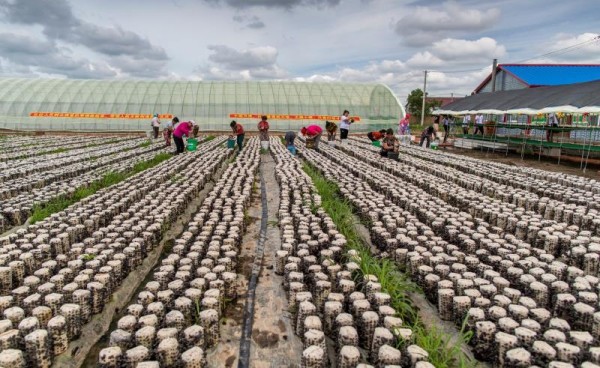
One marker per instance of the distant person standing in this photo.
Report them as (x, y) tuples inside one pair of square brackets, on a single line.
[(403, 125), (478, 124), (168, 130), (155, 125), (345, 123), (182, 130), (238, 131), (465, 124), (552, 123), (263, 129), (448, 122)]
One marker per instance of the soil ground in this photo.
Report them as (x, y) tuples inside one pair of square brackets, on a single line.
[(514, 159)]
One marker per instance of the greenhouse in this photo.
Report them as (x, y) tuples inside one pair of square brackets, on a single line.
[(128, 105)]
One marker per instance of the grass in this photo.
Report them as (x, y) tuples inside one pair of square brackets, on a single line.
[(209, 138), (42, 211), (145, 144), (442, 352)]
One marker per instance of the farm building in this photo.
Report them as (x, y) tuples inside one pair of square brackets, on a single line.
[(128, 105), (519, 76)]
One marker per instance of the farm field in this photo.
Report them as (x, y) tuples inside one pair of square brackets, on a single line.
[(116, 253)]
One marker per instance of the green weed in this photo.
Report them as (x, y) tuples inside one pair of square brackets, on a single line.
[(145, 144), (393, 281)]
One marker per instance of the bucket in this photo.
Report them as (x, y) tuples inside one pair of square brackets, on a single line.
[(192, 144), (376, 143), (434, 145), (231, 143), (264, 145), (292, 150)]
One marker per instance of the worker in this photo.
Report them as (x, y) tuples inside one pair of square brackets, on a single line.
[(552, 123), (263, 129), (238, 131), (155, 125), (375, 136), (478, 124), (427, 134), (331, 129), (195, 129), (390, 143), (183, 130), (289, 141), (465, 124), (345, 122), (313, 132), (168, 128)]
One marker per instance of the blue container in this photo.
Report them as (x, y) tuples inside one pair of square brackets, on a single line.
[(292, 150), (231, 143)]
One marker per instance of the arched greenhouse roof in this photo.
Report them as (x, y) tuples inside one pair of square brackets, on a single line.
[(103, 105)]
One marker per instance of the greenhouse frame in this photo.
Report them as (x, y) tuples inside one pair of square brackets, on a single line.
[(128, 105)]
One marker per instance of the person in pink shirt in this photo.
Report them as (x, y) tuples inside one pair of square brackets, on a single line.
[(313, 132), (183, 129)]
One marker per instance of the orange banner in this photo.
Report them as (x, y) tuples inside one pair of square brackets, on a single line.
[(85, 115), (290, 117)]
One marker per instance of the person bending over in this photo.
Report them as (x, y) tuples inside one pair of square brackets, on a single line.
[(182, 130), (375, 136), (313, 132), (238, 131), (427, 135)]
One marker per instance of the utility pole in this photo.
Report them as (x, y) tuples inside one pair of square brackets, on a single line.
[(494, 66), (424, 96)]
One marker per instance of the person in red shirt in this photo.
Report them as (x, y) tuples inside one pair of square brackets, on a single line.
[(238, 130), (263, 129), (181, 130), (375, 136), (314, 133)]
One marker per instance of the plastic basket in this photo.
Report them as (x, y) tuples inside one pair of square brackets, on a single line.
[(231, 143), (292, 150), (376, 143)]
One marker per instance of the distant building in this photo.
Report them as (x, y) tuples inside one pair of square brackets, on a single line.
[(519, 76), (444, 100)]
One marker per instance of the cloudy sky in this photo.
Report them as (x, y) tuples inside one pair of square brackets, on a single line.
[(387, 41)]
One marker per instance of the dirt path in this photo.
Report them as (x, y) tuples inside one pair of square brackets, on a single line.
[(273, 343)]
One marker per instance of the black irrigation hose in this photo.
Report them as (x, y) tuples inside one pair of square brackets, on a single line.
[(248, 319)]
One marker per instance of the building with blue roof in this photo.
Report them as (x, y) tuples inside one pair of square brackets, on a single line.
[(518, 76)]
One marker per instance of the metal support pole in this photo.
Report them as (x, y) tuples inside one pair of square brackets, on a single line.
[(424, 96), (494, 66)]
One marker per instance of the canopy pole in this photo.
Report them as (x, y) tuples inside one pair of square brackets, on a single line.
[(424, 96)]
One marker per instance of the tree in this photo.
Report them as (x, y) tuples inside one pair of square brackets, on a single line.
[(414, 104)]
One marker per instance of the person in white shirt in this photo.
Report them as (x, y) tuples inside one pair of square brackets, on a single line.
[(155, 125), (478, 124), (345, 123), (552, 123), (465, 124)]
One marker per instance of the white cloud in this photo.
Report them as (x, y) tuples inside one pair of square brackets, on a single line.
[(423, 25), (254, 63), (466, 51), (424, 60)]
